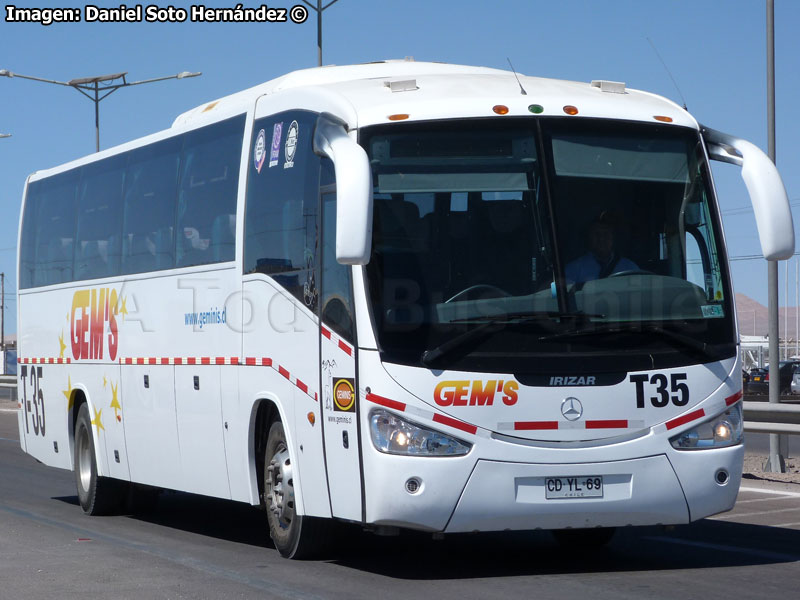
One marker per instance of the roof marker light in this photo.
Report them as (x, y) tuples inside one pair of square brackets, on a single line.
[(570, 110), (398, 117), (662, 118), (500, 109), (536, 109)]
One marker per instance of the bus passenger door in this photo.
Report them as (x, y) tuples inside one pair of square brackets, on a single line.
[(339, 387)]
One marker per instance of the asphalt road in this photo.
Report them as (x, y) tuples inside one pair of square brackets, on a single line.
[(196, 547)]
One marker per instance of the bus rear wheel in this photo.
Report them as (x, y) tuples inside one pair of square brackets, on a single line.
[(294, 535), (96, 495)]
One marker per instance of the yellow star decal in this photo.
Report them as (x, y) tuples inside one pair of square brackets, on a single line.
[(124, 309), (115, 401), (97, 422), (61, 344), (68, 394)]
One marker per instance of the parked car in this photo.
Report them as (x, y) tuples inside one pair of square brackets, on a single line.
[(758, 383), (796, 381), (759, 378)]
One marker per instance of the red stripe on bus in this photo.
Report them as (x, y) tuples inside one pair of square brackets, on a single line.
[(191, 360), (386, 402), (284, 372), (266, 362), (178, 361), (302, 386), (535, 425), (250, 361), (152, 360), (345, 347), (205, 360), (687, 418), (733, 399), (164, 360), (325, 332), (220, 360), (455, 423), (607, 424), (234, 360)]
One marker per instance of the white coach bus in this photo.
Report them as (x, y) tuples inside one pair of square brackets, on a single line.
[(402, 295)]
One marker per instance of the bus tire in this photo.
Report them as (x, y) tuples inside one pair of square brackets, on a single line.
[(295, 536), (96, 495)]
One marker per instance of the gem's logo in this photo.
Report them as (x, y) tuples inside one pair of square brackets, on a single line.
[(475, 393), (93, 324), (344, 395)]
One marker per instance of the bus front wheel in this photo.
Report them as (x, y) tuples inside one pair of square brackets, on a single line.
[(294, 535), (96, 495)]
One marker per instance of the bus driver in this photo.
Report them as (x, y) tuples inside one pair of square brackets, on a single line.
[(602, 259)]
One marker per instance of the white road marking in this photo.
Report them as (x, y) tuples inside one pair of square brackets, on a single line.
[(770, 499), (766, 491), (754, 514)]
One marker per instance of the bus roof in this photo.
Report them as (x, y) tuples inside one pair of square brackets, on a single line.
[(428, 90)]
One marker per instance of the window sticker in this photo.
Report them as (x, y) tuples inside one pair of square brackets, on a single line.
[(260, 151), (275, 148), (291, 145), (712, 311)]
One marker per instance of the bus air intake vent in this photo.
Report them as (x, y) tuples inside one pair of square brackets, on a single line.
[(406, 85), (612, 87)]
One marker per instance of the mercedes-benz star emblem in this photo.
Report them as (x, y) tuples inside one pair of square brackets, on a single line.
[(572, 409)]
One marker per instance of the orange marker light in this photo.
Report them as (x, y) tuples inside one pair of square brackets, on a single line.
[(570, 110), (500, 109), (398, 117), (663, 119), (312, 418)]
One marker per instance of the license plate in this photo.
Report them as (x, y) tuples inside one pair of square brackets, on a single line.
[(585, 486), (756, 378)]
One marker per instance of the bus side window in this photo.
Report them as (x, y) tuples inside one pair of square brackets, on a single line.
[(207, 195), (49, 231), (151, 187), (281, 228), (97, 248), (337, 295)]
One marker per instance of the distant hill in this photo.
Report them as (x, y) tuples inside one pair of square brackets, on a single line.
[(753, 318)]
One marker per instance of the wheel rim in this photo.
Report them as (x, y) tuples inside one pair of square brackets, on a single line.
[(280, 495), (84, 459)]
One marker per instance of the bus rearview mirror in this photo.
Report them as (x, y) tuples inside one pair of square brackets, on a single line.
[(766, 189), (353, 189)]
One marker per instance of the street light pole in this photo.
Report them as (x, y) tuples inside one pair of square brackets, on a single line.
[(775, 462), (91, 88), (319, 9)]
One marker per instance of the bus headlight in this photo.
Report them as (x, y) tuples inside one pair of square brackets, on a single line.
[(393, 435), (725, 429)]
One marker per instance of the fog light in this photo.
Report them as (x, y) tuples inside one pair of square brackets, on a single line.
[(413, 485)]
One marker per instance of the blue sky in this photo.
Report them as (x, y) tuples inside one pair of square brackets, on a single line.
[(715, 49)]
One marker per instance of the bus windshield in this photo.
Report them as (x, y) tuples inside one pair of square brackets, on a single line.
[(509, 246)]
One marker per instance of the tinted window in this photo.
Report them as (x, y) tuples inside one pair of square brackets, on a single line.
[(207, 195), (126, 207), (49, 231), (99, 219), (281, 230), (151, 186)]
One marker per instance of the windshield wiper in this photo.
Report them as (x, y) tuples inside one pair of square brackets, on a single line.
[(529, 316), (680, 339), (490, 325)]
